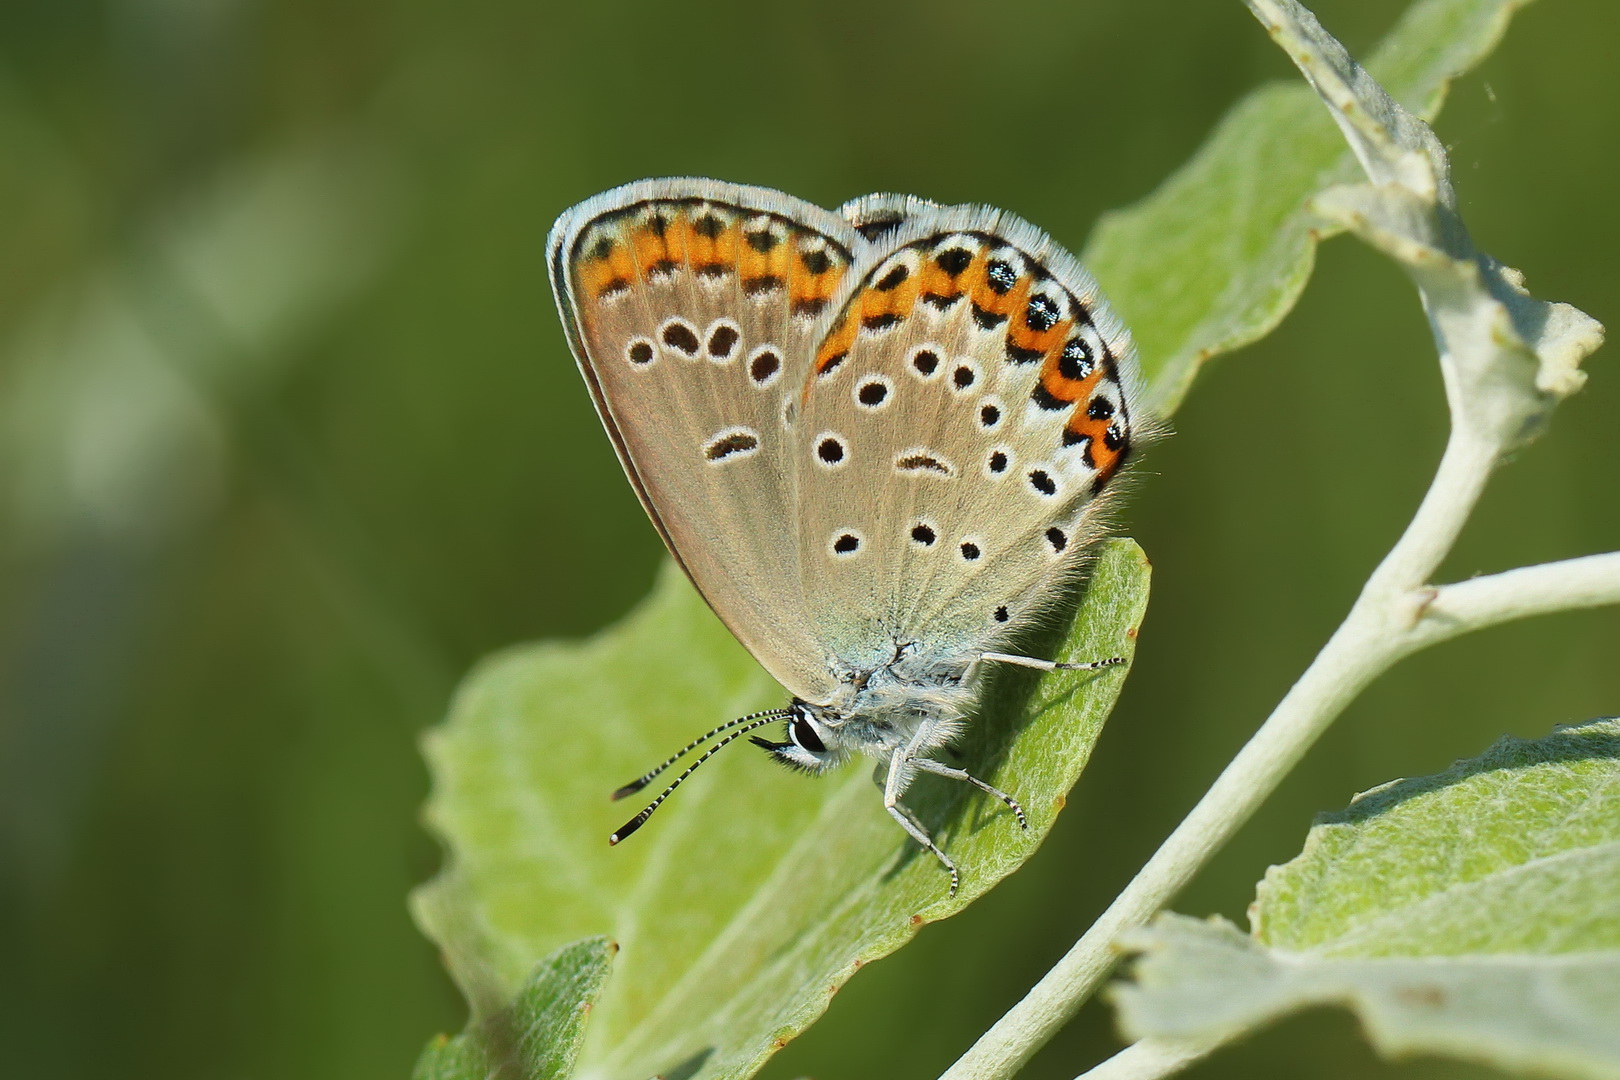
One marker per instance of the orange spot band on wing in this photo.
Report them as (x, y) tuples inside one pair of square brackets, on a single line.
[(814, 276), (879, 309), (934, 281), (652, 251), (712, 250), (1060, 386), (998, 306), (600, 276), (837, 346), (764, 267), (1025, 345)]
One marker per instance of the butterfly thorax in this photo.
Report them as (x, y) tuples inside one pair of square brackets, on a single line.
[(875, 713)]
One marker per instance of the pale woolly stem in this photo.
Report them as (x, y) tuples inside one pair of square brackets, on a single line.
[(1149, 1059), (1589, 581)]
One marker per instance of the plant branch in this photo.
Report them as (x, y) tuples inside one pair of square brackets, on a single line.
[(1589, 581), (1150, 1059)]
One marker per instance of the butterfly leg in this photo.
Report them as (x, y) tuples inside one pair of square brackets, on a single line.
[(899, 775), (1048, 665), (939, 768)]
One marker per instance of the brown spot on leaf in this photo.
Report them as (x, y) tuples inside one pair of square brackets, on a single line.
[(1428, 997)]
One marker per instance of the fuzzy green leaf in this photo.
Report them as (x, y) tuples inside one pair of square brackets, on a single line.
[(1214, 258), (753, 895), (539, 1036), (1473, 913)]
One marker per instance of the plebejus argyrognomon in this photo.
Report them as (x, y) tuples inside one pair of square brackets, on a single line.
[(874, 439)]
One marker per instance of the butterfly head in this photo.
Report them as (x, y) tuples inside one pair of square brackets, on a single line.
[(812, 745)]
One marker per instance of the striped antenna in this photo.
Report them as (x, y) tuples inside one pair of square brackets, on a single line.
[(642, 781), (759, 720)]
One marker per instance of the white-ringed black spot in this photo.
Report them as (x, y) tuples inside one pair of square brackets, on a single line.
[(1001, 276), (730, 444), (1001, 614), (1076, 361), (1058, 539), (963, 377), (923, 534), (723, 337), (1042, 481), (764, 365), (925, 362), (873, 393), (679, 335), (989, 414), (997, 462), (971, 552), (831, 451), (640, 351), (1042, 313), (1100, 408), (845, 544)]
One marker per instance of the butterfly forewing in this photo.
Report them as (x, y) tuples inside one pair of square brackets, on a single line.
[(970, 399), (694, 308)]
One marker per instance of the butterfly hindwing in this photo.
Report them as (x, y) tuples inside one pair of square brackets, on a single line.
[(693, 308), (970, 399)]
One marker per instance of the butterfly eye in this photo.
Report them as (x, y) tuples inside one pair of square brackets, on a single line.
[(804, 735)]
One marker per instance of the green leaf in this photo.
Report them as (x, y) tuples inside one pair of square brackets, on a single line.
[(1473, 913), (539, 1036), (1214, 258), (754, 894)]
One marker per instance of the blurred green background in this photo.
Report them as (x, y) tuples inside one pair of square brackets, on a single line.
[(289, 438)]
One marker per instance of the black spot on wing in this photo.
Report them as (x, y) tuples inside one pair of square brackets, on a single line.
[(954, 260), (681, 338), (893, 279)]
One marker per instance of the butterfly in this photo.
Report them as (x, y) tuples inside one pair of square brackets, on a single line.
[(874, 439)]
